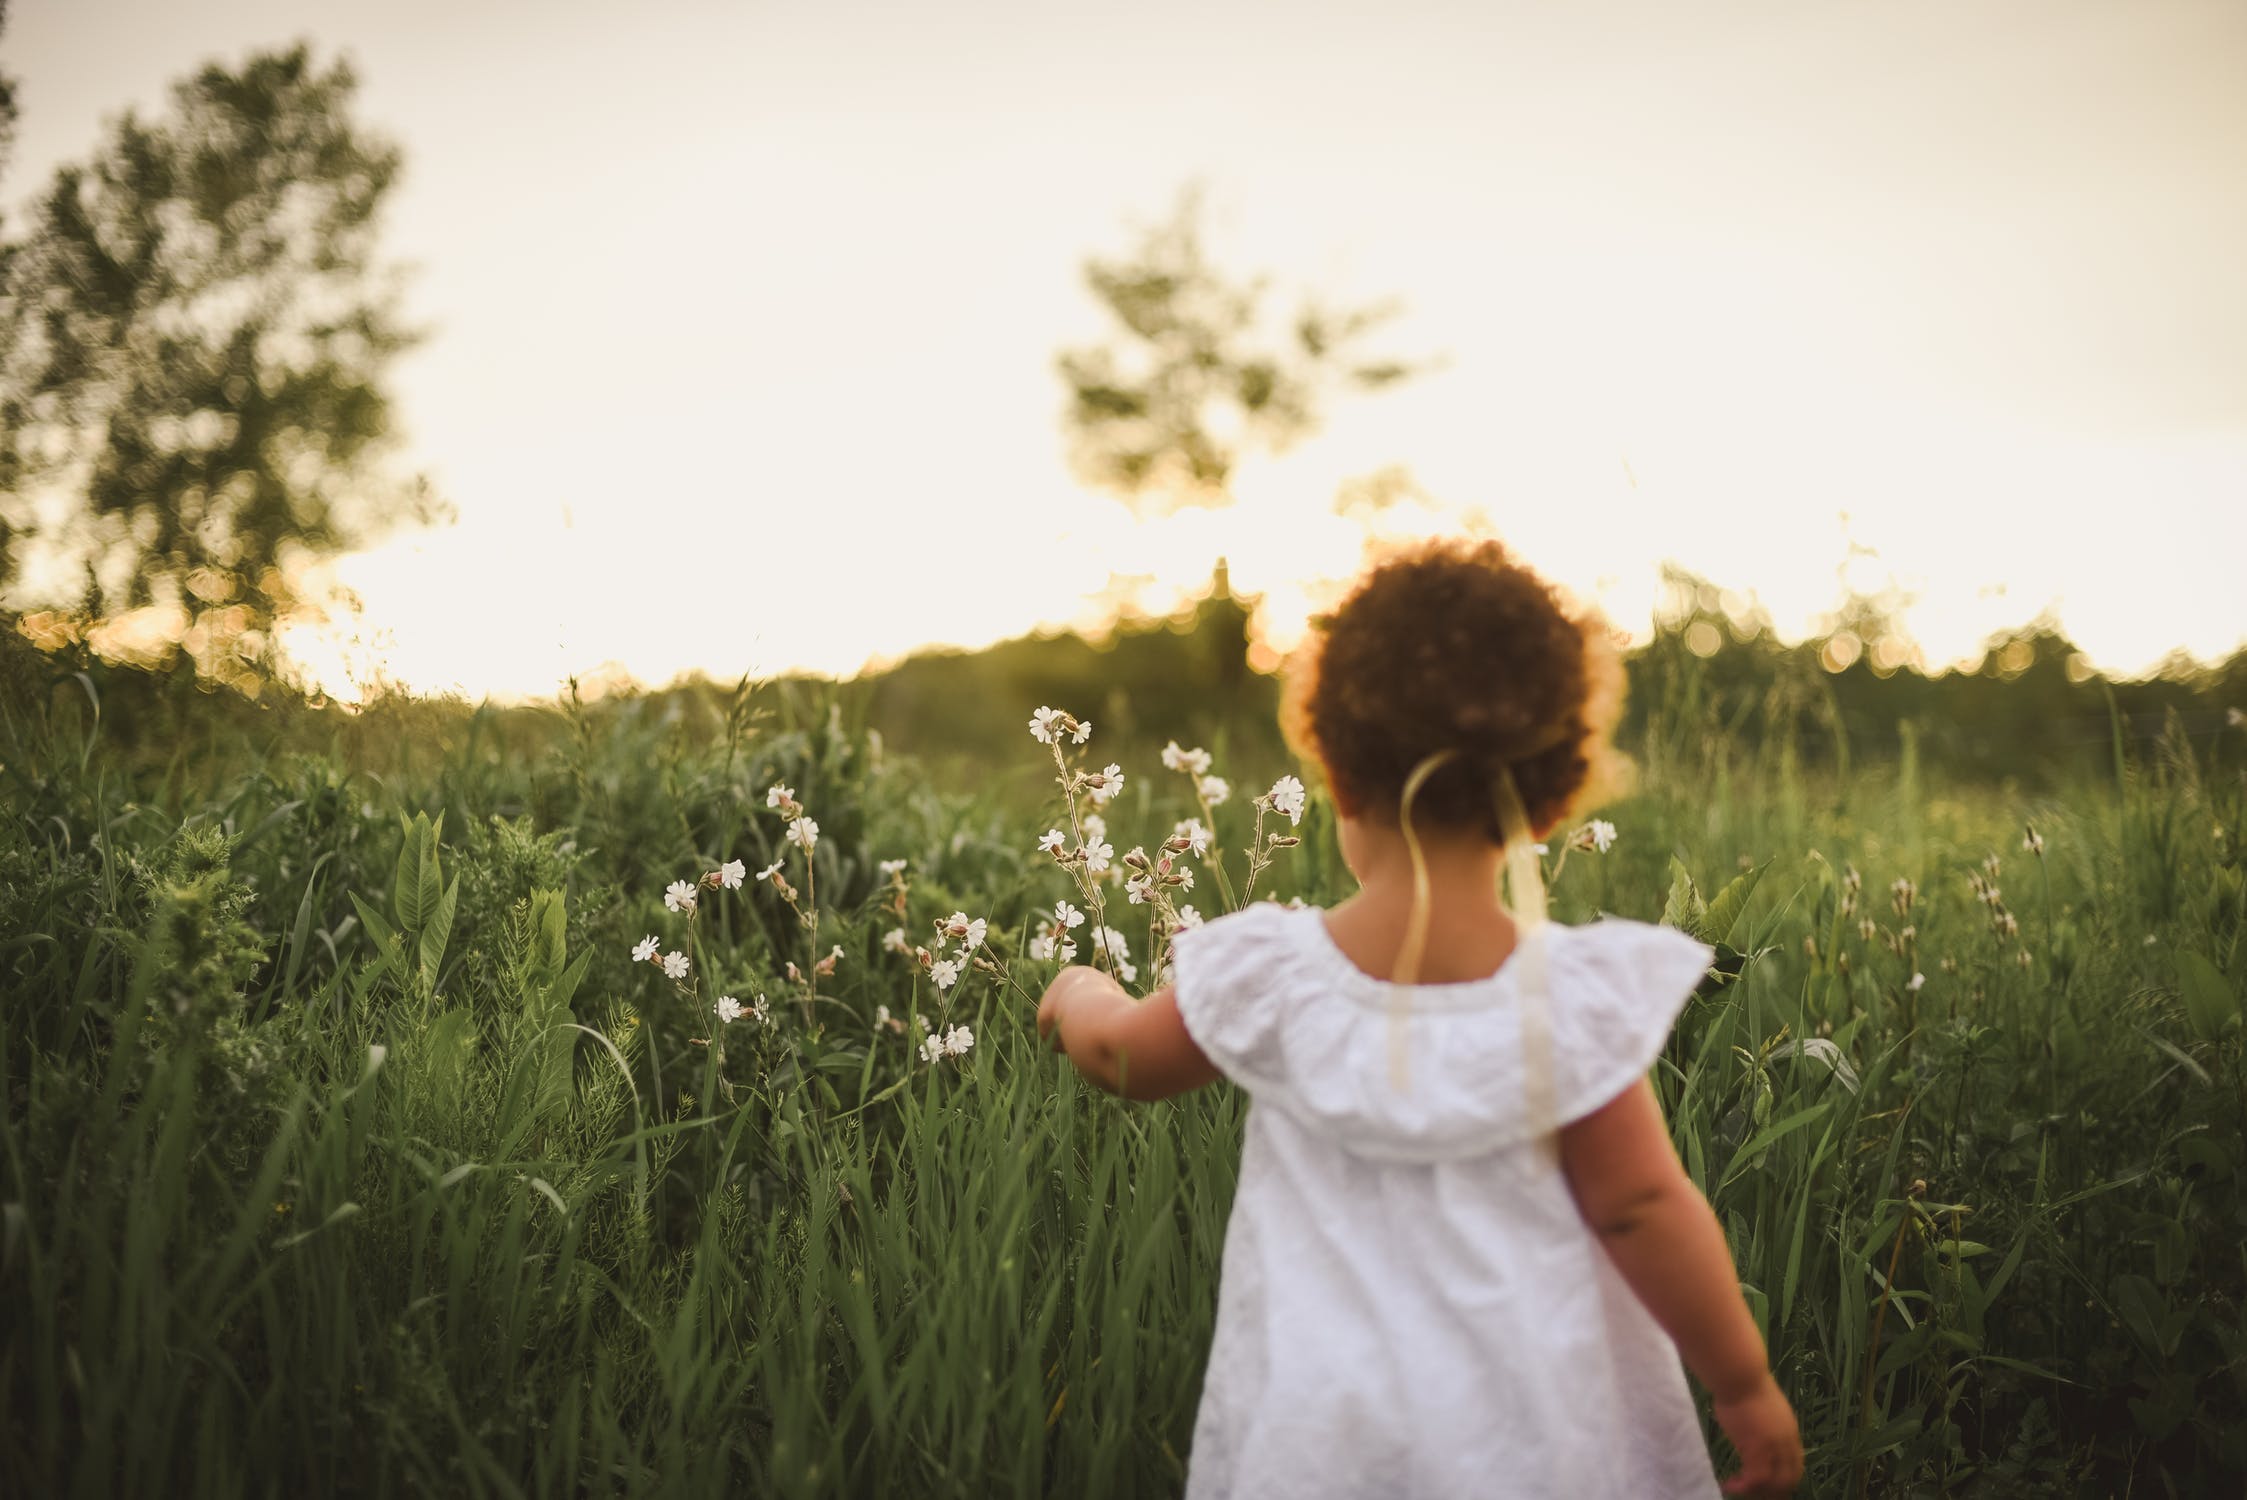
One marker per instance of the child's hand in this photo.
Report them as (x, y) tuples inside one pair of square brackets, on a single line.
[(1049, 1017), (1762, 1426), (1056, 997)]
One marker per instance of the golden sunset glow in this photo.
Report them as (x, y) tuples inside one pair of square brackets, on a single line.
[(749, 367)]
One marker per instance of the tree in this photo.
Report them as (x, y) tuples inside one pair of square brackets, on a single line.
[(193, 331), (1163, 410), (7, 103)]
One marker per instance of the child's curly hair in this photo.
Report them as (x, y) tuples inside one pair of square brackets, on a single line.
[(1455, 645)]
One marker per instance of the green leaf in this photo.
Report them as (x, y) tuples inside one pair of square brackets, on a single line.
[(439, 930), (411, 895), (548, 921), (385, 939), (2144, 1312), (1724, 913), (551, 1196), (347, 1211), (1683, 910), (1761, 1141), (2209, 1001)]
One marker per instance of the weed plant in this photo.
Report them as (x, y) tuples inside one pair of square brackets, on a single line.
[(347, 1150)]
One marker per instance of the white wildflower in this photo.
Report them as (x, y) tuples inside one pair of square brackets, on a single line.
[(957, 1041), (1040, 947), (732, 873), (1599, 835), (1195, 835), (1214, 790), (771, 871), (968, 930), (1082, 732), (1052, 842), (1042, 722), (881, 1015), (894, 941), (890, 867), (1286, 796), (1106, 783), (1193, 762), (729, 1009), (1918, 982), (1108, 940), (644, 949), (1183, 878), (2033, 842), (932, 1048), (1063, 913), (1140, 888), (1097, 858), (946, 973), (803, 833), (1095, 828), (679, 896), (675, 965), (780, 797), (1188, 918), (759, 1011)]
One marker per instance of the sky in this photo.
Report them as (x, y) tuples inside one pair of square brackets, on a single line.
[(742, 315)]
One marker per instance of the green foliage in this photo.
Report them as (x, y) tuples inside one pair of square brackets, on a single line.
[(193, 332), (347, 1150)]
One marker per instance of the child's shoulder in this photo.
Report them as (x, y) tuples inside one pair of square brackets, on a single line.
[(1244, 942), (1278, 1009)]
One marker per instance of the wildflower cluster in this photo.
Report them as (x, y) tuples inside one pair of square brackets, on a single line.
[(1157, 877), (937, 1046), (945, 971), (684, 898)]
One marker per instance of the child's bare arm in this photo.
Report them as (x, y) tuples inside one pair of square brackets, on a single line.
[(1137, 1048), (1664, 1238)]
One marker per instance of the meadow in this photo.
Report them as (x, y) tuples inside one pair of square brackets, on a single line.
[(349, 1148)]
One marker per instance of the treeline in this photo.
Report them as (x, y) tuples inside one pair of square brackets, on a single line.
[(2030, 713)]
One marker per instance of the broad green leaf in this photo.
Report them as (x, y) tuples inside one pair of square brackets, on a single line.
[(1683, 909), (2209, 1001), (1730, 905), (439, 930)]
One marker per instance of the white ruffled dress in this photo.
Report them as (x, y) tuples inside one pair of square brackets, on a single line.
[(1409, 1304)]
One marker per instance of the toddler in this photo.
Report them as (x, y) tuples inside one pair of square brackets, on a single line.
[(1464, 1259)]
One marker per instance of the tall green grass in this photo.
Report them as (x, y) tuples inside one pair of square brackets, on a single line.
[(345, 1148)]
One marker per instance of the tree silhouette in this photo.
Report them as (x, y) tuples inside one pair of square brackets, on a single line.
[(1162, 411), (193, 331)]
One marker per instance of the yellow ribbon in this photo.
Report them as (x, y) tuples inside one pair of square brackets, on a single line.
[(1526, 890)]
